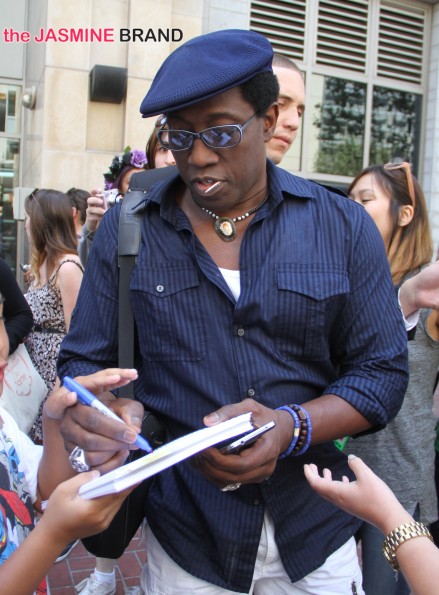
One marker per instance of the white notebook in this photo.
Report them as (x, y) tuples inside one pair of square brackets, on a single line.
[(167, 455)]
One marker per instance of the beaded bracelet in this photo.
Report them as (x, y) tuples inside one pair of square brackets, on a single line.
[(304, 439), (296, 431)]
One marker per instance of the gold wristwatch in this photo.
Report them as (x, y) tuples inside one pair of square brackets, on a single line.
[(396, 537)]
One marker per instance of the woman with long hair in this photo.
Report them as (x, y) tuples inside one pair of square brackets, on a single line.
[(55, 279), (403, 452)]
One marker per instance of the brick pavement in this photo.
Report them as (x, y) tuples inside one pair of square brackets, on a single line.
[(79, 564)]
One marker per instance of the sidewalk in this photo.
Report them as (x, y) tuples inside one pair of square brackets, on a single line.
[(79, 564)]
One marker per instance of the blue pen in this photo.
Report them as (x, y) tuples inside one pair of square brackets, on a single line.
[(88, 398)]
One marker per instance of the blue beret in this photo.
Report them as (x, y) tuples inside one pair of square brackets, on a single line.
[(206, 66)]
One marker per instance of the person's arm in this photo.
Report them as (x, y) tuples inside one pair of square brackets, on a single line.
[(370, 499), (17, 312), (69, 280), (66, 518), (421, 290), (95, 210), (93, 215), (331, 417)]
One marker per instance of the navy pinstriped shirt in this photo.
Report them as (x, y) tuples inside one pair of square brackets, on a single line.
[(317, 314)]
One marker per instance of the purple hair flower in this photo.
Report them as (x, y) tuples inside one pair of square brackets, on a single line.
[(138, 158)]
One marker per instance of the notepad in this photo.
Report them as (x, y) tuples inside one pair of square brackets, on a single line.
[(167, 455)]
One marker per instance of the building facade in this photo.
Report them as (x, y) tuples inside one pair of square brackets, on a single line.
[(371, 69)]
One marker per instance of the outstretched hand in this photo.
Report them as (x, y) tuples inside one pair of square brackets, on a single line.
[(421, 290), (368, 497)]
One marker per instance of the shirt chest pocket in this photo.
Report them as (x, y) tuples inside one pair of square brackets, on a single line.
[(168, 313), (308, 302)]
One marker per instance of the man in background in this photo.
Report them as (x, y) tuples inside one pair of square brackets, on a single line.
[(291, 107)]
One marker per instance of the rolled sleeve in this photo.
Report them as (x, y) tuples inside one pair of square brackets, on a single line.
[(372, 339)]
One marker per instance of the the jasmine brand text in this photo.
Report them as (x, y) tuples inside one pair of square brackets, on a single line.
[(102, 35)]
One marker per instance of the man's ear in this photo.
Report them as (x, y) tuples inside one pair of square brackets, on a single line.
[(406, 213), (270, 120)]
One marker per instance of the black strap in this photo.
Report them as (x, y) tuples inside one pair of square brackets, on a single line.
[(128, 249)]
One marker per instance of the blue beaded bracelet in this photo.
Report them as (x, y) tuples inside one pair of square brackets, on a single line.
[(296, 432), (302, 448)]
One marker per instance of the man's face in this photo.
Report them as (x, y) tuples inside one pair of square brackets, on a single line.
[(291, 108), (240, 170)]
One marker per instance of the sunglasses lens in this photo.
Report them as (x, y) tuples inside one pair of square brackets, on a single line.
[(175, 140), (222, 136)]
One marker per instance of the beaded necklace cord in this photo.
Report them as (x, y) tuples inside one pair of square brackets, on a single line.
[(225, 227)]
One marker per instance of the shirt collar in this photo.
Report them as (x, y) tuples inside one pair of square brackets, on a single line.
[(282, 184)]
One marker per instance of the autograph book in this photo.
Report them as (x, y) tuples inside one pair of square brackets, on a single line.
[(167, 455)]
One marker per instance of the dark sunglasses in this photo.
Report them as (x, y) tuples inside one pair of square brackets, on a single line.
[(217, 137)]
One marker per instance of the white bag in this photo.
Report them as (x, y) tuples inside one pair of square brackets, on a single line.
[(23, 389)]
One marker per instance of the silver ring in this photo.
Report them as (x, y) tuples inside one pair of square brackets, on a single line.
[(77, 460), (231, 487)]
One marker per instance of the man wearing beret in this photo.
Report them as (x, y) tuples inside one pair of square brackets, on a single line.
[(254, 290)]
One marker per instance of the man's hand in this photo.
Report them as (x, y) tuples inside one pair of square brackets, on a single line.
[(106, 442), (255, 463)]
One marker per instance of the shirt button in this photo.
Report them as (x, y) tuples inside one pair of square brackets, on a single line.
[(241, 332), (251, 392), (160, 288), (256, 502)]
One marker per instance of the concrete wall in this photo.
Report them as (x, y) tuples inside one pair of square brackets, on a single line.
[(68, 139), (430, 179)]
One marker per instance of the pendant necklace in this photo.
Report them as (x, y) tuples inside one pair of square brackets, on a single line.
[(225, 227)]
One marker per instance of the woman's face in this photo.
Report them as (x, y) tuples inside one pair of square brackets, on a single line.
[(368, 192), (27, 227), (163, 157)]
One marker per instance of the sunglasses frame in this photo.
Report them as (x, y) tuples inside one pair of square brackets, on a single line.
[(194, 135), (409, 176)]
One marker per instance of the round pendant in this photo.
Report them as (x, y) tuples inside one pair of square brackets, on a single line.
[(225, 229)]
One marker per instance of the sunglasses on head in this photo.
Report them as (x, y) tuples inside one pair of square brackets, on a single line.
[(217, 137), (408, 173)]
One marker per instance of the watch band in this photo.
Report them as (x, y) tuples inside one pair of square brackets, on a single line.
[(396, 537)]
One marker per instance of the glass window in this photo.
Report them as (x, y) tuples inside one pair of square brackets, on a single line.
[(9, 163), (396, 126), (10, 96), (338, 120)]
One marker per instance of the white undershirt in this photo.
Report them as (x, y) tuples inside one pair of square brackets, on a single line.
[(233, 280)]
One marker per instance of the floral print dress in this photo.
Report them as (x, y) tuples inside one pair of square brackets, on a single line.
[(45, 339)]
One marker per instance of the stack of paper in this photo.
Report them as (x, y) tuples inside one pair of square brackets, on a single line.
[(167, 455)]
